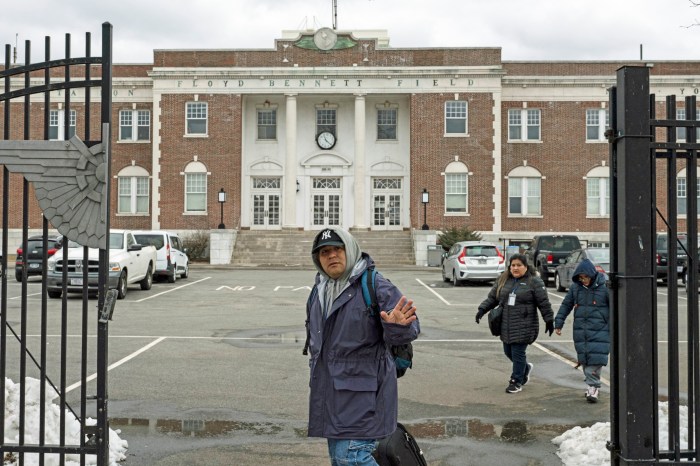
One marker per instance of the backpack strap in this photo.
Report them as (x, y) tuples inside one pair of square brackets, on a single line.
[(369, 292), (309, 303)]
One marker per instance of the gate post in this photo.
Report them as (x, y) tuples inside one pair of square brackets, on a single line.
[(633, 295)]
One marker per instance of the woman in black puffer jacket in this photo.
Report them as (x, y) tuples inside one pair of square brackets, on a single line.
[(521, 293)]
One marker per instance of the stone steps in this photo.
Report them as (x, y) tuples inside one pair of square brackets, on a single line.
[(286, 248)]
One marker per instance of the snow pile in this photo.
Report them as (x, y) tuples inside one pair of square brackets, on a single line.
[(117, 446), (586, 446)]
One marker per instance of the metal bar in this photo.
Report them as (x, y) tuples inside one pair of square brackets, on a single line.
[(672, 296), (614, 392), (50, 87), (44, 282), (84, 340), (3, 280), (635, 433), (13, 71), (54, 449), (23, 296), (693, 330), (103, 327)]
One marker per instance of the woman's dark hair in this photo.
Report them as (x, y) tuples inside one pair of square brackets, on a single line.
[(505, 276)]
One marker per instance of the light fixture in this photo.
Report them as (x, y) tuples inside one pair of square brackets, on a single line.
[(425, 199), (222, 199)]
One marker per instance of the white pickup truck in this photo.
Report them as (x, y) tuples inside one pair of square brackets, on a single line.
[(129, 262)]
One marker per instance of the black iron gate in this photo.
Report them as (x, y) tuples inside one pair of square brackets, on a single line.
[(60, 349), (646, 158)]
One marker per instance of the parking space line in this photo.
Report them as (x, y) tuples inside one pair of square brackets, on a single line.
[(118, 363), (433, 291), (565, 360), (171, 289), (28, 295)]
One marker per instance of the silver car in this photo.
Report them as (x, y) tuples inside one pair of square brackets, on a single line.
[(477, 261)]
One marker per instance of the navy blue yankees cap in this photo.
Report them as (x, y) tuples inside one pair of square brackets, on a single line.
[(326, 237)]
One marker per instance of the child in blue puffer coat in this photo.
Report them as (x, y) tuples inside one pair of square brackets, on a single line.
[(588, 298)]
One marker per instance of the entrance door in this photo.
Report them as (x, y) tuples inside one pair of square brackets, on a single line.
[(265, 204), (386, 203), (325, 203)]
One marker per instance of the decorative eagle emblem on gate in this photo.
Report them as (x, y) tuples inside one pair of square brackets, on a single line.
[(69, 180)]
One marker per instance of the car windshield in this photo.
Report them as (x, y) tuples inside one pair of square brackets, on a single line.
[(116, 241), (473, 251), (564, 244), (150, 240), (599, 255)]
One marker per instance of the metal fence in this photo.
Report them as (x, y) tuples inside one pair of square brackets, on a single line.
[(66, 167), (653, 188)]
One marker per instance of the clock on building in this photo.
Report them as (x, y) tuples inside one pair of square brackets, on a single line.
[(325, 140)]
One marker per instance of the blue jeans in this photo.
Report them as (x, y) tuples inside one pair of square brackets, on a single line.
[(351, 452), (516, 353)]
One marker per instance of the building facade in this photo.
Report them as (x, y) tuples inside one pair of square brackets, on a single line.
[(333, 128)]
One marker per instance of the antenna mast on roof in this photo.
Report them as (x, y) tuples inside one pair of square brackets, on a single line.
[(335, 14)]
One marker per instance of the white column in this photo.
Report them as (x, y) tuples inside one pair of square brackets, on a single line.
[(359, 188), (497, 164), (290, 165)]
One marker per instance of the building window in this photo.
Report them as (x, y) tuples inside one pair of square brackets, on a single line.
[(386, 124), (597, 197), (455, 117), (134, 125), (196, 187), (326, 120), (681, 133), (56, 124), (682, 193), (597, 121), (196, 118), (524, 192), (267, 124), (456, 188), (524, 124), (133, 185)]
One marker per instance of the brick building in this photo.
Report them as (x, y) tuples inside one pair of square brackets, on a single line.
[(339, 128)]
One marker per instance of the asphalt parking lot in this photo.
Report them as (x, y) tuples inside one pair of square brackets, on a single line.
[(209, 371)]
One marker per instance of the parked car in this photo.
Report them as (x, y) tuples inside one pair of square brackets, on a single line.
[(172, 257), (477, 261), (662, 255), (545, 253), (565, 271), (129, 263), (33, 258)]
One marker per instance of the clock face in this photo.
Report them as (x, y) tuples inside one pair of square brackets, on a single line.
[(325, 140)]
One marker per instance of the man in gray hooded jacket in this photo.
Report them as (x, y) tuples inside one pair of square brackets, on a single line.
[(354, 397)]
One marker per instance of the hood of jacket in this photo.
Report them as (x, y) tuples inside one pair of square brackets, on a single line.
[(586, 267)]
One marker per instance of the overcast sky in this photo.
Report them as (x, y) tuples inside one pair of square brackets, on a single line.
[(524, 29)]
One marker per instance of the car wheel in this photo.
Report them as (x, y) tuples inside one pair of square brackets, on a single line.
[(18, 276), (147, 281), (173, 276), (455, 281), (54, 294), (121, 286), (557, 283), (185, 272), (444, 277), (543, 275)]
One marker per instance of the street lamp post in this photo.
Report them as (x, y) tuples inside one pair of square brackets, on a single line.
[(222, 199), (424, 200)]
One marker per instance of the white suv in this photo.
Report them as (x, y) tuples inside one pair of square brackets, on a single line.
[(172, 257), (477, 261)]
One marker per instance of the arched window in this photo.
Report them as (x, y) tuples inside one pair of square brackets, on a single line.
[(195, 187), (598, 192), (524, 191), (134, 186), (456, 188)]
